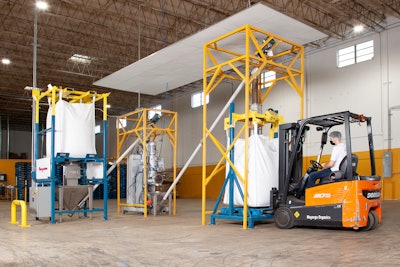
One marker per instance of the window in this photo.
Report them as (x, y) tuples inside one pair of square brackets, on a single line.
[(355, 54), (364, 51), (197, 99), (151, 113), (267, 76), (121, 123), (345, 56), (97, 129)]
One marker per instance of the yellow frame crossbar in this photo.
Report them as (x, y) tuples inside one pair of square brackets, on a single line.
[(221, 61), (256, 118), (70, 95)]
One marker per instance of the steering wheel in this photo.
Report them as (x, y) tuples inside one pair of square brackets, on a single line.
[(316, 164)]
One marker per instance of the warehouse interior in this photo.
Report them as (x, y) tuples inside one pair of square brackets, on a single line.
[(108, 154)]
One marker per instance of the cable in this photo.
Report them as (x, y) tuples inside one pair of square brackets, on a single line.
[(162, 24), (165, 105)]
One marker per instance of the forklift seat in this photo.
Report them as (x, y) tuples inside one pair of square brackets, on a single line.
[(333, 177), (341, 173)]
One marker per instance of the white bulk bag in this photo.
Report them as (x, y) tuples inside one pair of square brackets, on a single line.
[(262, 171), (74, 129)]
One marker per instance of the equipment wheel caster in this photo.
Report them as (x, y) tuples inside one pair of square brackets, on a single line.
[(284, 218)]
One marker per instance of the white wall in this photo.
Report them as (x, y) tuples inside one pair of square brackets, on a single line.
[(368, 88), (190, 122), (391, 84)]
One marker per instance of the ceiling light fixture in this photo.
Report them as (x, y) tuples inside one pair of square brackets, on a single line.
[(358, 28), (42, 5), (6, 61), (81, 59)]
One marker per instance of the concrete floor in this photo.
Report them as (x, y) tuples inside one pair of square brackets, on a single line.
[(132, 240)]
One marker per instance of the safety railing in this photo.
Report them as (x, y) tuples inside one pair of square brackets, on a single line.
[(14, 205)]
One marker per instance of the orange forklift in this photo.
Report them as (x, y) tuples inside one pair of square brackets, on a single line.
[(344, 199)]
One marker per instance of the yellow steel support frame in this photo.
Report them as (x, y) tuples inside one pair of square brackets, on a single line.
[(222, 62), (139, 127), (52, 94)]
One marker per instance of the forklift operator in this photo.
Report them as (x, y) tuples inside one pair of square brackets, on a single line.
[(338, 153)]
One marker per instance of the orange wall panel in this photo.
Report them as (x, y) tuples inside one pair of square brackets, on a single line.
[(391, 185), (190, 184), (7, 166)]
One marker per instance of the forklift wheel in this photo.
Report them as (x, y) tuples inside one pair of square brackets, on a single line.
[(372, 220), (284, 218)]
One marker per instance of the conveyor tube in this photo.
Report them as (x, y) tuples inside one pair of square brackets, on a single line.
[(221, 114)]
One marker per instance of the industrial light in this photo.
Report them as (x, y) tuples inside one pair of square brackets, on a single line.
[(81, 59), (358, 28), (42, 5), (6, 61)]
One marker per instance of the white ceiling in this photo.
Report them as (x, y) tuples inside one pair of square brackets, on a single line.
[(182, 62)]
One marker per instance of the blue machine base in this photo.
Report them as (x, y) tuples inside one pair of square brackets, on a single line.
[(255, 214)]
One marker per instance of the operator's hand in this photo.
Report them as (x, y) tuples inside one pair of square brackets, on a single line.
[(323, 165)]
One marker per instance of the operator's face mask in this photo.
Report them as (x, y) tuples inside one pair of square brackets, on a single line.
[(331, 141)]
